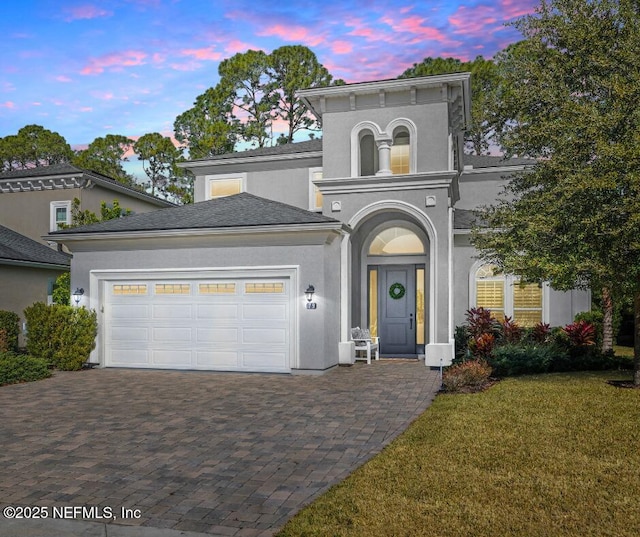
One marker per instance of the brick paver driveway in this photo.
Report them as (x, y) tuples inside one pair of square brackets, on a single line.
[(235, 454)]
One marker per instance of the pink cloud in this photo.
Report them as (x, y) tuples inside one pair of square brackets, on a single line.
[(202, 53), (510, 9), (8, 104), (234, 46), (102, 95), (299, 34), (36, 104), (86, 109), (63, 78), (414, 25), (114, 61), (474, 22), (342, 47), (86, 12)]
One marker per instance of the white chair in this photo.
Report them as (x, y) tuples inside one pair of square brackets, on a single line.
[(365, 344)]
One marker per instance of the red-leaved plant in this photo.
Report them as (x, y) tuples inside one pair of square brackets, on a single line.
[(511, 331), (479, 322), (581, 333), (540, 333), (482, 346)]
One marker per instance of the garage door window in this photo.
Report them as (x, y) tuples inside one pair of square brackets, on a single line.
[(267, 287), (173, 289), (217, 288), (129, 289)]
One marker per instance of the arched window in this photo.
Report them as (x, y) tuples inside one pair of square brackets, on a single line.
[(368, 154), (506, 295), (490, 291), (396, 241), (400, 151)]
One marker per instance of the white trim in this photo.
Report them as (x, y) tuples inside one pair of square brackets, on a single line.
[(98, 280), (53, 206), (208, 179), (429, 229), (246, 159), (377, 132), (312, 190)]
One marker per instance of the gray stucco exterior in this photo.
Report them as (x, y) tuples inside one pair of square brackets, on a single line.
[(364, 193)]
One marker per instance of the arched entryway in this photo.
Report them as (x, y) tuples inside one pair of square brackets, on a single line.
[(391, 271)]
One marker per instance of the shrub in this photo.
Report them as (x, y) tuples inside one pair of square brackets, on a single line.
[(64, 336), (467, 376), (511, 331), (16, 368), (461, 338), (519, 359), (482, 346), (9, 331), (580, 334), (540, 333), (479, 322), (62, 289)]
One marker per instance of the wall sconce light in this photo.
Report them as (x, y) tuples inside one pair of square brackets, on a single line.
[(309, 294), (77, 295)]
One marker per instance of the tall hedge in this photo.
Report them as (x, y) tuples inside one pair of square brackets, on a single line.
[(9, 331), (64, 336)]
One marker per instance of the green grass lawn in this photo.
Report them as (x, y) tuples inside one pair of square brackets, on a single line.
[(549, 455)]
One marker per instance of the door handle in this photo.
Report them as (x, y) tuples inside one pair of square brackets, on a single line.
[(410, 321)]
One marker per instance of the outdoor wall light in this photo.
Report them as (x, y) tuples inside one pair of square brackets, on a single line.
[(309, 294), (77, 295)]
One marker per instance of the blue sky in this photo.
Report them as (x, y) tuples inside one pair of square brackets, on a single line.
[(87, 68)]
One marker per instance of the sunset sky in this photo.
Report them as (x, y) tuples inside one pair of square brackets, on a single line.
[(87, 68)]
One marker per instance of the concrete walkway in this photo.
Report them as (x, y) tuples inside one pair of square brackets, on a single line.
[(213, 453)]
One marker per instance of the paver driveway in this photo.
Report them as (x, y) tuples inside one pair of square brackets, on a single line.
[(234, 454)]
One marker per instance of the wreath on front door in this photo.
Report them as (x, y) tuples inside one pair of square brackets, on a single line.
[(397, 291)]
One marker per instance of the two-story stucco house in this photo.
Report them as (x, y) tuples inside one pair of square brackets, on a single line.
[(375, 217)]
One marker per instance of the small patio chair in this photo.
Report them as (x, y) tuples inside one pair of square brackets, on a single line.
[(365, 344)]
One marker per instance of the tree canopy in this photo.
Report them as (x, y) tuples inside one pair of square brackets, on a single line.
[(105, 155), (255, 90), (569, 97), (31, 147)]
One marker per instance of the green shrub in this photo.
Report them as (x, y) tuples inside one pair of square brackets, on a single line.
[(520, 359), (10, 329), (62, 289), (64, 336), (467, 376), (16, 368)]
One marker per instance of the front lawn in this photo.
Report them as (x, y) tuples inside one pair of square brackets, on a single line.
[(548, 455)]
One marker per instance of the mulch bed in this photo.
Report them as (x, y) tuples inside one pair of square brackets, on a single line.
[(623, 384)]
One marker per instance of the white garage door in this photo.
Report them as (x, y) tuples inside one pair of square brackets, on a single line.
[(226, 325)]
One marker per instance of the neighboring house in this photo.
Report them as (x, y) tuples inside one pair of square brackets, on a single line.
[(38, 200), (375, 217), (28, 270)]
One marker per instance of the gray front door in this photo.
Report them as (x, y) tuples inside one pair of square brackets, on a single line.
[(397, 309)]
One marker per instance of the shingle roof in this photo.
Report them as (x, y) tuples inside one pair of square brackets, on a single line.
[(57, 170), (488, 161), (15, 247), (284, 149), (239, 210)]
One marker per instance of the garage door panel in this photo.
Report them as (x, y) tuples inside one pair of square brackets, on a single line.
[(171, 311), (218, 359), (217, 311), (265, 336), (171, 357), (218, 335), (274, 312), (129, 311), (264, 360), (128, 357), (218, 326), (129, 334)]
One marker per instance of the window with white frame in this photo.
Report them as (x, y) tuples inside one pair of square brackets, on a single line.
[(220, 186), (504, 295), (315, 196), (400, 151), (59, 214)]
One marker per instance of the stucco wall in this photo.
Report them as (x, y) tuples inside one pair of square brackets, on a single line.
[(319, 264), (21, 286)]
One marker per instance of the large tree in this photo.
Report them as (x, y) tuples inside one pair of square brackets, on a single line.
[(246, 76), (484, 81), (159, 159), (105, 155), (33, 146), (208, 128), (569, 97), (292, 68)]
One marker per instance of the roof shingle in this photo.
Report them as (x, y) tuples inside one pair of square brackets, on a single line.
[(15, 247)]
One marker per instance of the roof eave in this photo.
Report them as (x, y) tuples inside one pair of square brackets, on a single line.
[(33, 264), (246, 159)]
